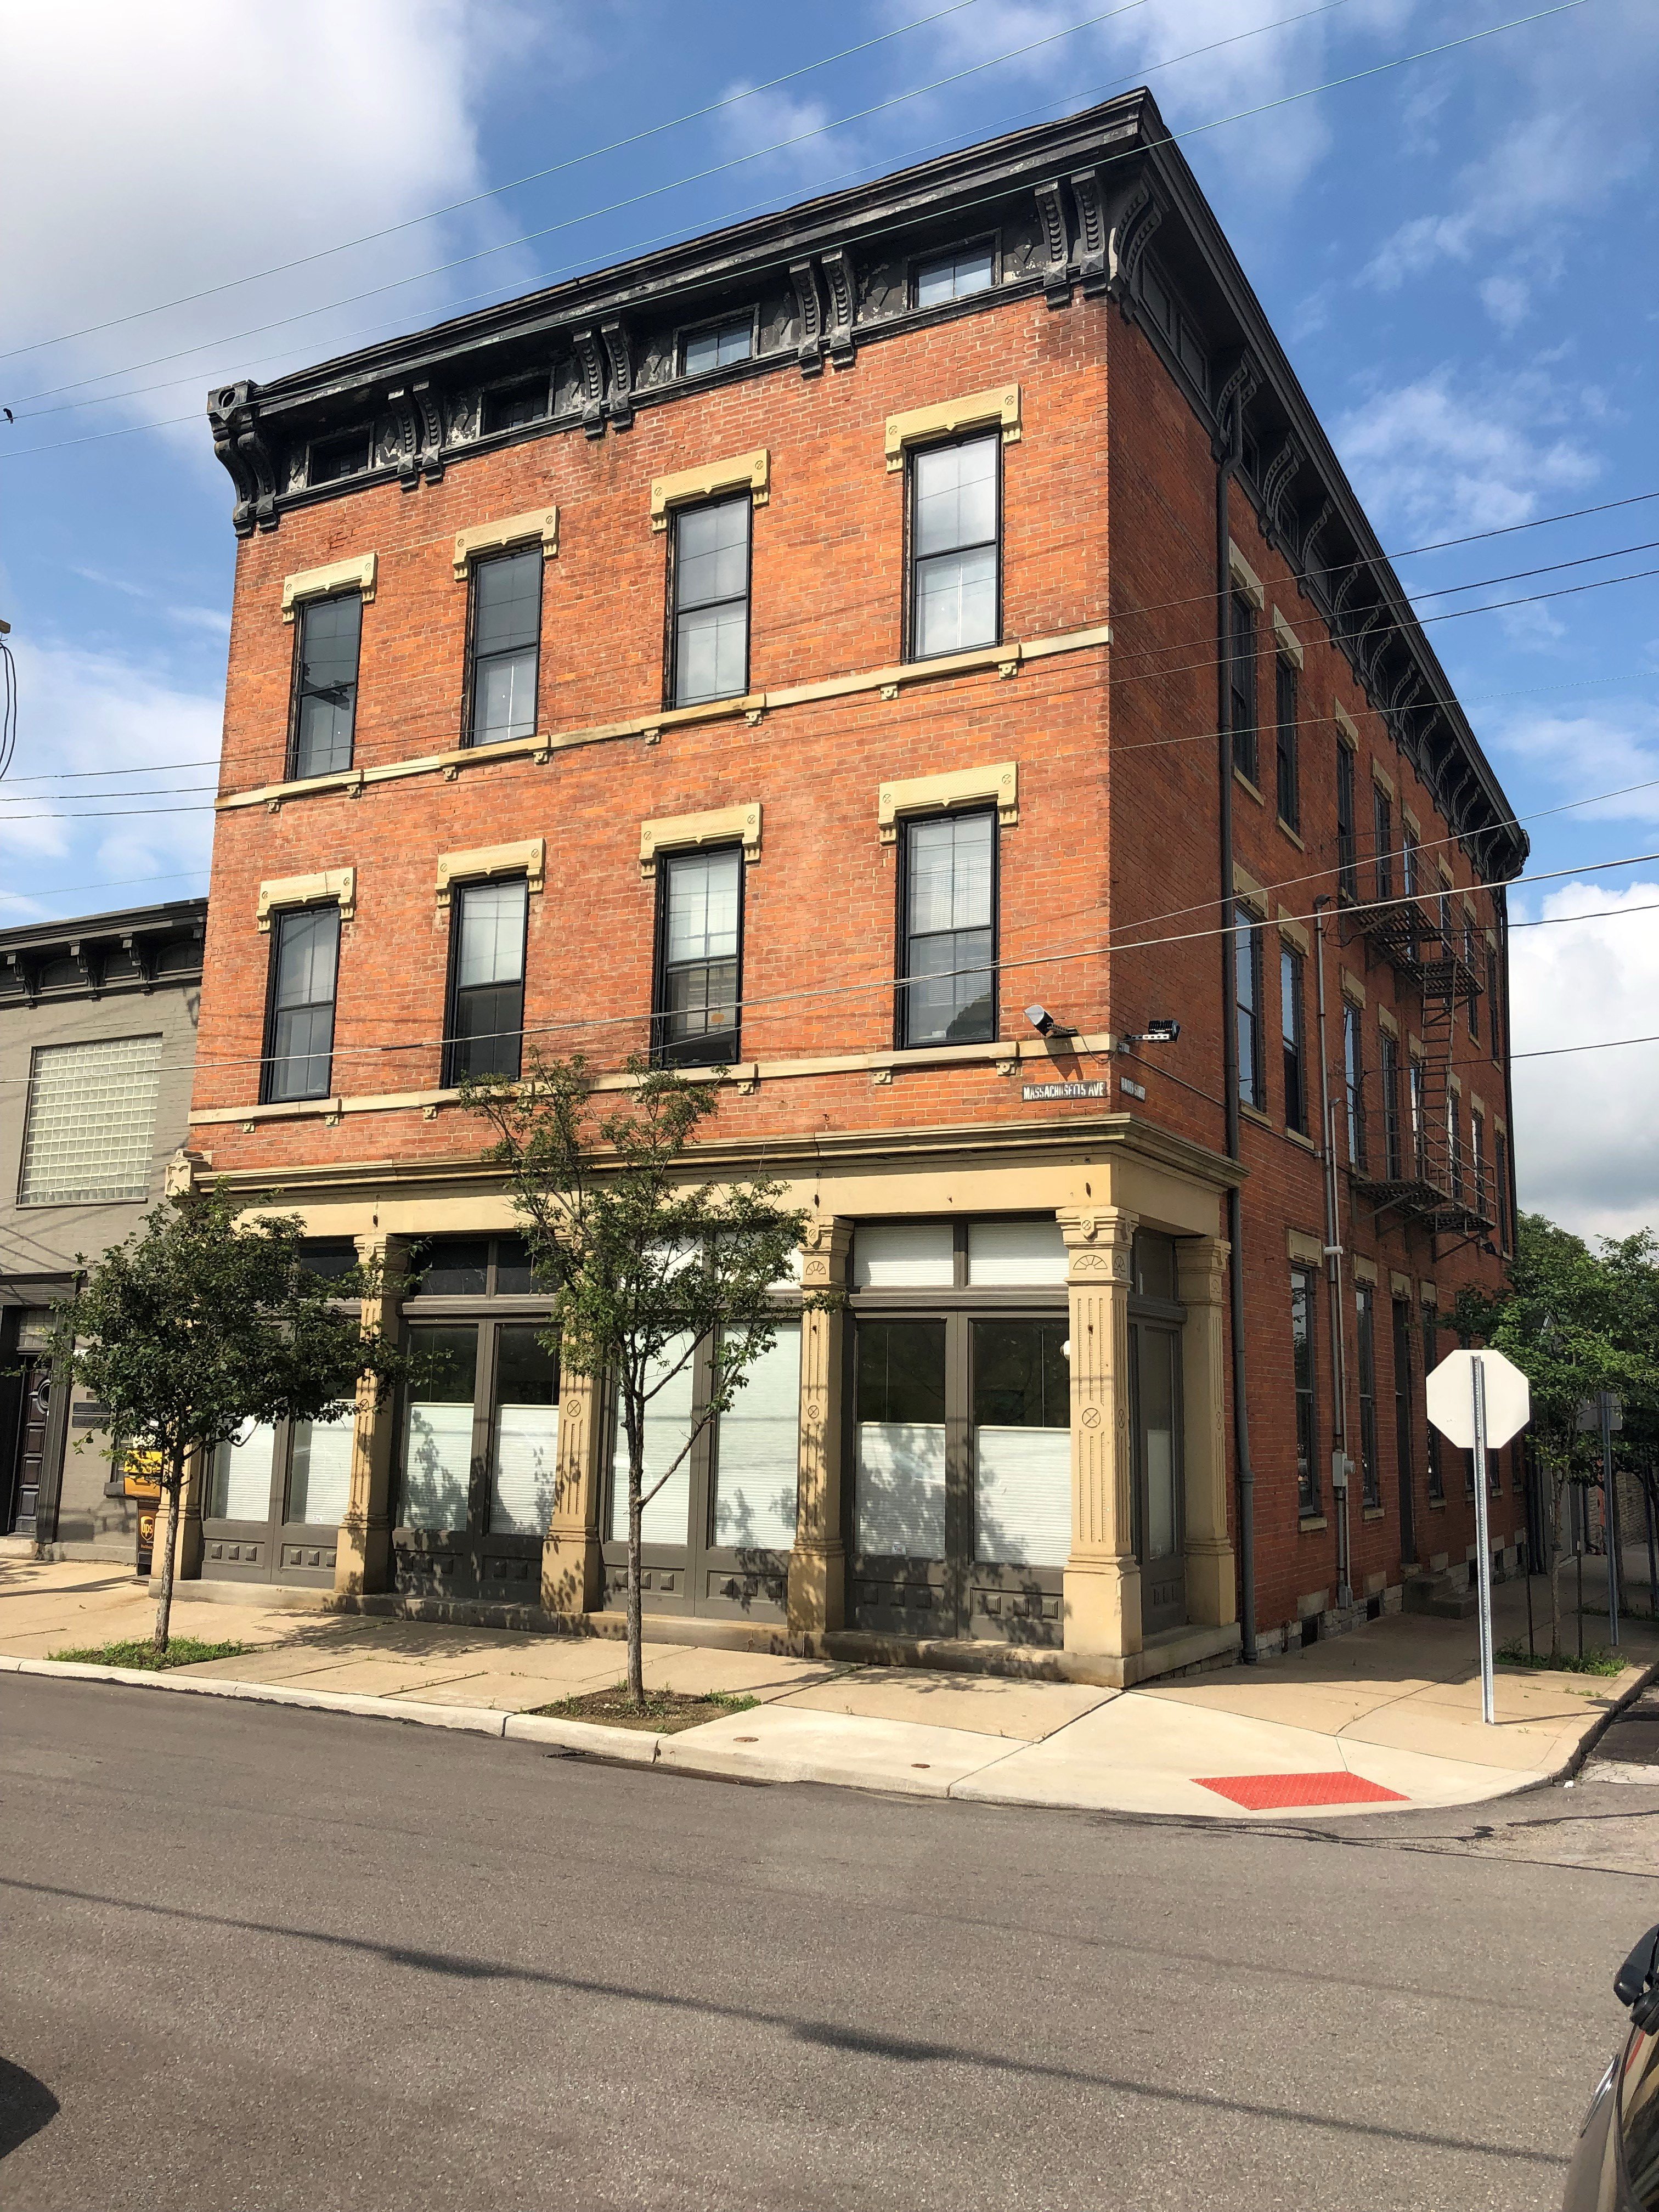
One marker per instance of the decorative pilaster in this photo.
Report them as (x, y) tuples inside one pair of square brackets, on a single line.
[(362, 1558), (817, 1564), (572, 1561), (1211, 1589), (1103, 1577)]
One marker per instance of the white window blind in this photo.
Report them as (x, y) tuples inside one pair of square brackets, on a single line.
[(905, 1255), (90, 1136), (1011, 1252), (525, 1474), (901, 1489), (758, 1449), (319, 1471), (1023, 1497), (242, 1477), (666, 1518), (437, 1465)]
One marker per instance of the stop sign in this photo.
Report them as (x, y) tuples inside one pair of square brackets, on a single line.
[(1451, 1393)]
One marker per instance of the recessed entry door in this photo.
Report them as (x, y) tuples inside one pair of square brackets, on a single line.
[(479, 1461), (1155, 1420), (30, 1459), (276, 1498), (719, 1521), (962, 1487)]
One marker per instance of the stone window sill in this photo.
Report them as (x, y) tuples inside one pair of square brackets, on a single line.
[(1309, 1525)]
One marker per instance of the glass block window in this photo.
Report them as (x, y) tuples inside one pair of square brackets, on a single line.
[(90, 1137)]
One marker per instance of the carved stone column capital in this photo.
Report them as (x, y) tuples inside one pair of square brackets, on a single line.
[(1099, 1244), (1201, 1265)]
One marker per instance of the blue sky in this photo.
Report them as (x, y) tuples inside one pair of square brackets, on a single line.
[(1458, 254)]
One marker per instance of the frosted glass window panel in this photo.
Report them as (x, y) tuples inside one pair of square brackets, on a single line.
[(526, 1469), (667, 1517), (319, 1471), (437, 1466), (758, 1453), (241, 1476), (1015, 1252), (1023, 1497), (905, 1255), (90, 1135), (900, 1489)]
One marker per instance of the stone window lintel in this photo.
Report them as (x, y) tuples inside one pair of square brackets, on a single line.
[(744, 471), (540, 523), (687, 833), (337, 886), (358, 573), (939, 795), (974, 411)]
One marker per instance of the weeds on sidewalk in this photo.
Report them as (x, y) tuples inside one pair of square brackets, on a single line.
[(665, 1712), (1564, 1662), (181, 1651)]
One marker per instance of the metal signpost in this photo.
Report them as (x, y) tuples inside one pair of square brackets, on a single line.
[(1606, 1411), (1478, 1400)]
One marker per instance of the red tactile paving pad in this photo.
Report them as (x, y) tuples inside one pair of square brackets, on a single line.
[(1266, 1793)]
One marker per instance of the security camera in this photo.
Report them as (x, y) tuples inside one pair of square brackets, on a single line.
[(1045, 1023)]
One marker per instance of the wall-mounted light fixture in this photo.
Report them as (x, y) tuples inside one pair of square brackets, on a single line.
[(1048, 1025), (1160, 1030)]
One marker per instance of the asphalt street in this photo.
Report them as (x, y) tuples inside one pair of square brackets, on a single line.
[(257, 1958)]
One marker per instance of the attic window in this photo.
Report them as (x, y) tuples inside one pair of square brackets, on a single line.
[(719, 346), (957, 275), (331, 458), (511, 406)]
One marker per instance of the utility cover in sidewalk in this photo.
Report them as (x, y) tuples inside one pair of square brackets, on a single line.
[(1268, 1793)]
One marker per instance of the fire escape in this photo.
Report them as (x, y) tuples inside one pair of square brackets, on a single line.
[(1421, 1165)]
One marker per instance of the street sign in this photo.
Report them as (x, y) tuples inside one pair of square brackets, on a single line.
[(1477, 1399), (1450, 1392), (1589, 1412)]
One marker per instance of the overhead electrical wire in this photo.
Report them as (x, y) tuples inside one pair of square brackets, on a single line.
[(1562, 6)]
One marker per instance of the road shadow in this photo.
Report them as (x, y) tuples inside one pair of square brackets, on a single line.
[(26, 2105)]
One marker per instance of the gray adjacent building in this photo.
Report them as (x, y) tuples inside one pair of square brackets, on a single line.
[(98, 1022)]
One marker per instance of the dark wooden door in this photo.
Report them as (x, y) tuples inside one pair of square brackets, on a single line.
[(1155, 1413), (1402, 1429), (29, 1458)]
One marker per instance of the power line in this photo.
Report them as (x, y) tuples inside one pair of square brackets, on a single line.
[(1563, 7), (495, 191)]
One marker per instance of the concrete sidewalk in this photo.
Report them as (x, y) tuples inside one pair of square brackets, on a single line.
[(1386, 1718)]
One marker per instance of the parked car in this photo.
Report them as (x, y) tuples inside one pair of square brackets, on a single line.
[(1615, 2167)]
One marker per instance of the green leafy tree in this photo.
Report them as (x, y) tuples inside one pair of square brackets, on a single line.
[(1576, 1322), (647, 1264), (201, 1322)]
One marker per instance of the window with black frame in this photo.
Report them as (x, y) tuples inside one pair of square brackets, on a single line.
[(1382, 837), (1370, 1474), (955, 276), (1430, 1361), (1354, 1080), (305, 948), (1289, 794), (1388, 1082), (948, 895), (710, 592), (506, 639), (1347, 842), (1247, 987), (1292, 1025), (1242, 687), (515, 406), (699, 952), (326, 656), (718, 347), (955, 547), (1304, 1375), (485, 1030)]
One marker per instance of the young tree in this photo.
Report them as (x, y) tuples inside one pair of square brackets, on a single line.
[(200, 1323), (1575, 1322), (646, 1264)]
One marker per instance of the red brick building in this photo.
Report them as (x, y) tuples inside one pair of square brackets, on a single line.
[(886, 657)]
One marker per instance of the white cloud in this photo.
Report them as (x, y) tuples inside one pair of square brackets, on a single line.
[(1609, 747), (1507, 300), (160, 151), (1586, 1138), (808, 155), (88, 711), (1441, 455)]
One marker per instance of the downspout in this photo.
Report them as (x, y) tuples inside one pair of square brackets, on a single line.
[(1244, 1474), (1333, 1273)]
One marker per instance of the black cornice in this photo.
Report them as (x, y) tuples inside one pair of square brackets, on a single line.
[(1091, 191)]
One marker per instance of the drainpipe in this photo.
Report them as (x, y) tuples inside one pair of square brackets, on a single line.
[(1244, 1472), (1333, 1273)]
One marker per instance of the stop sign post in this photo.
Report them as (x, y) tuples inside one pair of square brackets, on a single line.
[(1478, 1400)]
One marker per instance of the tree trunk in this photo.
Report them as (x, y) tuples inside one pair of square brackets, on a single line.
[(175, 1483), (636, 1515)]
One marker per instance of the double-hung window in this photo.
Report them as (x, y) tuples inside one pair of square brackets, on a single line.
[(711, 602), (507, 643), (1285, 700), (485, 1030), (1494, 1010), (1242, 687), (1478, 1160), (1370, 1474), (1389, 1061), (1303, 1300), (1354, 1080), (955, 276), (1292, 1022), (1419, 1119), (1500, 1196), (305, 955), (325, 684), (1430, 1361), (1348, 862), (948, 902), (699, 948), (1247, 983), (1382, 821), (955, 539)]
